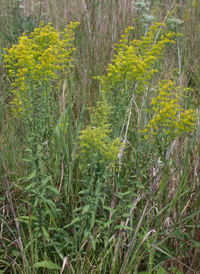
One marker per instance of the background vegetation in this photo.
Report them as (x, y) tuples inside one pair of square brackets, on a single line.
[(99, 144)]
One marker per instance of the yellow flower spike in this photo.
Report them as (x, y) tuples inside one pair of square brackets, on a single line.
[(39, 59), (95, 140), (166, 107), (132, 63)]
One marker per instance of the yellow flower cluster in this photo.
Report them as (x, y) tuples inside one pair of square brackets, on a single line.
[(39, 60), (95, 140), (133, 61), (169, 118)]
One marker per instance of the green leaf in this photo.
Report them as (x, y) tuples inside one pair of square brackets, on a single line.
[(36, 201), (109, 209), (45, 232), (92, 221), (57, 148), (47, 264), (27, 218), (86, 234), (123, 227), (57, 249), (126, 215), (176, 271), (54, 190), (77, 219), (108, 223), (58, 136), (161, 271), (27, 160), (22, 220), (83, 191), (31, 175), (31, 185), (77, 209), (1, 108), (164, 247), (131, 206), (196, 244), (46, 180), (93, 243), (124, 193), (50, 214), (85, 209)]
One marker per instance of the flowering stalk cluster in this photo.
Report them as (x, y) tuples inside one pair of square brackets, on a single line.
[(97, 152), (39, 60), (169, 118), (95, 141), (132, 63)]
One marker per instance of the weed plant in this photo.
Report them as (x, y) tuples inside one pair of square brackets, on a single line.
[(99, 146)]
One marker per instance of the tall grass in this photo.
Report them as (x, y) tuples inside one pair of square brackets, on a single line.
[(63, 213)]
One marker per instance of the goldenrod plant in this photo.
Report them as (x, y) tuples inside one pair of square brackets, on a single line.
[(95, 141), (38, 65), (98, 154), (169, 119), (132, 68)]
